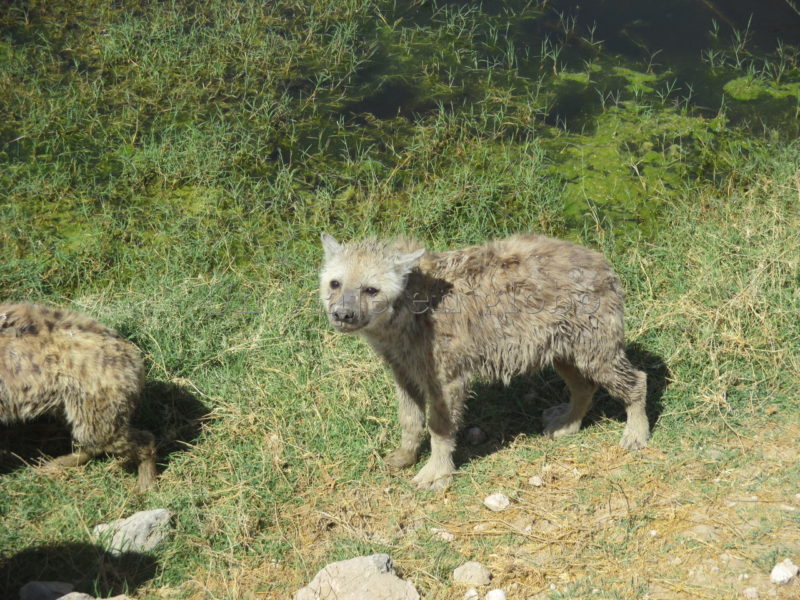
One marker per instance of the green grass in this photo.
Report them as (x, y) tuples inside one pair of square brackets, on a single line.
[(168, 168)]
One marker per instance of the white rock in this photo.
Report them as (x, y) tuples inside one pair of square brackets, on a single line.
[(356, 579), (141, 532), (472, 573), (751, 593), (77, 596), (44, 590), (536, 481), (475, 436), (784, 572), (443, 534), (497, 502), (496, 595), (471, 594)]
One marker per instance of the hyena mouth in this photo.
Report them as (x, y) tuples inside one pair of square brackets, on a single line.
[(344, 327)]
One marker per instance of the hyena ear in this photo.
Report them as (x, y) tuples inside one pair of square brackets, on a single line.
[(404, 263), (330, 245)]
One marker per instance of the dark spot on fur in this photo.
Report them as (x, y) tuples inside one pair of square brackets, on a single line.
[(510, 261), (35, 369), (57, 315), (50, 325), (29, 329)]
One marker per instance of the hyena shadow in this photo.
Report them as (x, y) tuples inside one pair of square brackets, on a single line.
[(174, 415), (169, 411), (505, 412), (88, 567)]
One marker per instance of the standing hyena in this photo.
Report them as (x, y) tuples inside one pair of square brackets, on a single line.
[(498, 310), (55, 361)]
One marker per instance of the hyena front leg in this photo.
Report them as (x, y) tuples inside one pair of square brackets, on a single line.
[(444, 416), (411, 405)]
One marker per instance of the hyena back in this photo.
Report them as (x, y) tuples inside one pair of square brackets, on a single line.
[(58, 362), (505, 308)]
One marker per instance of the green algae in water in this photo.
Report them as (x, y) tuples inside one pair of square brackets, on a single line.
[(630, 164), (332, 114)]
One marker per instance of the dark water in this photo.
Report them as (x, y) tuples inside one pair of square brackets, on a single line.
[(680, 29)]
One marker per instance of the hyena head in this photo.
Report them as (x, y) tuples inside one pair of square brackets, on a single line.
[(360, 281)]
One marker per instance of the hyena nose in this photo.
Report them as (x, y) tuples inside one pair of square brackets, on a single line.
[(345, 315)]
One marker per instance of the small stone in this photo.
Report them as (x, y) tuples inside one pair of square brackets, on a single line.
[(443, 534), (472, 573), (751, 593), (497, 502), (471, 594), (784, 572), (653, 533), (476, 436), (358, 578), (536, 481), (496, 595), (77, 596), (141, 532), (44, 590)]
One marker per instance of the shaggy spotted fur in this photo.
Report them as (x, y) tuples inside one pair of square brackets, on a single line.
[(497, 310), (55, 361)]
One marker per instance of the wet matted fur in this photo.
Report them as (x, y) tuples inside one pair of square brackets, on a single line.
[(59, 362), (501, 309)]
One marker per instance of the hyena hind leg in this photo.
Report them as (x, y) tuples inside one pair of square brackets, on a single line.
[(627, 383), (139, 447), (74, 459), (566, 419)]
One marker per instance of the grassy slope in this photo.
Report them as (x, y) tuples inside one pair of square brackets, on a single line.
[(171, 176)]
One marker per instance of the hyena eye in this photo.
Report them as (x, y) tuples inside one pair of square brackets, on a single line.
[(371, 291), (334, 284)]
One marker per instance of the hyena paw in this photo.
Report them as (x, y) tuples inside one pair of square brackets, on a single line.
[(634, 438), (400, 458), (434, 476), (557, 423)]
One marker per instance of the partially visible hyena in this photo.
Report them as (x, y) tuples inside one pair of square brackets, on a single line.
[(498, 310), (58, 362)]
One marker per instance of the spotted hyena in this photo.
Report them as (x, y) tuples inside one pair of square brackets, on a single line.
[(58, 362), (505, 308)]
